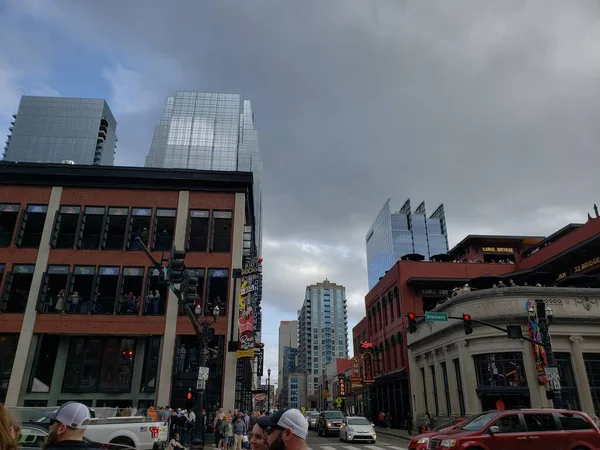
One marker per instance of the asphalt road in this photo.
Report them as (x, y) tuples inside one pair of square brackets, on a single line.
[(316, 442)]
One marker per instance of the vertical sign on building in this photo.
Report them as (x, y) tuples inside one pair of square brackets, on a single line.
[(342, 385), (355, 378), (366, 349), (251, 281), (260, 357)]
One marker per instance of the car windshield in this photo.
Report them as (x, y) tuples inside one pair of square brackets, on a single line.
[(358, 421), (333, 415), (477, 423)]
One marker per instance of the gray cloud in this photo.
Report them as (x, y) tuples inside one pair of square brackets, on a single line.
[(489, 107)]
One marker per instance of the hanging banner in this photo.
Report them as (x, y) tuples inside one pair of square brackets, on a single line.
[(538, 351), (260, 357), (251, 282), (367, 359)]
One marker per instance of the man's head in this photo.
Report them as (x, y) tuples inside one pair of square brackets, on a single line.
[(68, 423), (286, 429)]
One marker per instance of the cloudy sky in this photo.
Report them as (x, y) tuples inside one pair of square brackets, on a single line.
[(489, 107)]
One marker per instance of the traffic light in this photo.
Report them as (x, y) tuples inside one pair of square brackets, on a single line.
[(412, 322), (468, 324), (176, 266), (190, 399), (189, 288), (127, 355)]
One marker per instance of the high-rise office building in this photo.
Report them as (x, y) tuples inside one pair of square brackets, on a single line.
[(322, 330), (208, 131), (60, 129), (288, 337), (395, 234)]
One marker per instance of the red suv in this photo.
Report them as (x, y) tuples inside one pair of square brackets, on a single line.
[(524, 429)]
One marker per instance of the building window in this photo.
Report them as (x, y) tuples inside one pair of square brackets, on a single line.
[(156, 293), (8, 221), (29, 234), (52, 291), (90, 228), (40, 379), (568, 387), (83, 284), (130, 291), (66, 222), (500, 370), (216, 290), (8, 350), (164, 229), (592, 367), (435, 393), (106, 290), (150, 370), (16, 289), (198, 231), (99, 365), (461, 396), (446, 388), (139, 227), (424, 381), (115, 229), (221, 231)]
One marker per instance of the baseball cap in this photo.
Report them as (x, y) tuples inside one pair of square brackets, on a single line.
[(72, 414), (288, 418)]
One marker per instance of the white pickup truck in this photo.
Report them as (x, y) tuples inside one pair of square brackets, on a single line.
[(139, 432)]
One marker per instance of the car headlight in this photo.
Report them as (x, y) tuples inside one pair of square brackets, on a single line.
[(448, 443), (351, 430), (423, 440), (328, 424)]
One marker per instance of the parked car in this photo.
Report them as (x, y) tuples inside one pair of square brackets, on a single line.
[(329, 422), (525, 429), (312, 417), (33, 436), (420, 441), (357, 429)]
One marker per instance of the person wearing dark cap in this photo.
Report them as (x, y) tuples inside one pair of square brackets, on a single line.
[(67, 427), (286, 429)]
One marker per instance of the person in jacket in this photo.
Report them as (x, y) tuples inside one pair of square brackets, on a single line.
[(239, 430), (67, 427), (9, 430)]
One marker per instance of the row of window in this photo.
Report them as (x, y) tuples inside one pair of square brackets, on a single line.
[(377, 316), (114, 228), (105, 289)]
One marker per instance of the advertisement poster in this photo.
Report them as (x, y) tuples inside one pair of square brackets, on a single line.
[(251, 284), (539, 352)]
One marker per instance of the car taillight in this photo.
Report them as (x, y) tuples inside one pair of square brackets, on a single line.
[(154, 432)]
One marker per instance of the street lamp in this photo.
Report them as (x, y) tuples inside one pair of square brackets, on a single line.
[(268, 390), (198, 439), (545, 317)]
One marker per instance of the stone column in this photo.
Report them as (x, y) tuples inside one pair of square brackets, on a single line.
[(452, 382), (439, 381), (581, 378), (536, 391), (429, 383), (416, 385), (469, 380)]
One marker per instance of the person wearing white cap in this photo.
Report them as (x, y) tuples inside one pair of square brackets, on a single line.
[(67, 426), (286, 429)]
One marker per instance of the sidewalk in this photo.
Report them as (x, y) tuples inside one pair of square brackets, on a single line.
[(402, 434)]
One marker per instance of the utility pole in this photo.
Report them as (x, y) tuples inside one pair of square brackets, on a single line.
[(174, 274), (544, 316)]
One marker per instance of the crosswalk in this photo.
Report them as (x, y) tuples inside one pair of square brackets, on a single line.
[(354, 447)]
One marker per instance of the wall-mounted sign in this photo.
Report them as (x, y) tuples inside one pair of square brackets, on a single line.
[(70, 209), (342, 385), (84, 270), (222, 214), (143, 212), (326, 394), (133, 271), (586, 265), (118, 211), (218, 273), (247, 311), (200, 214), (498, 250), (37, 209), (94, 210), (260, 357), (434, 293), (166, 213), (368, 376), (109, 271), (23, 268), (8, 208), (355, 378), (58, 270), (561, 276)]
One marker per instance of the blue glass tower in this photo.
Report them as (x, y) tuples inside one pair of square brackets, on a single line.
[(395, 234)]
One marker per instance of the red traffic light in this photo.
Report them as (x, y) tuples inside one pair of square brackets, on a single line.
[(412, 316), (189, 395), (467, 316)]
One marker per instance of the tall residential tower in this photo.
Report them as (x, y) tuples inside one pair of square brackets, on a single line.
[(322, 330), (59, 129), (288, 337), (394, 235), (207, 131)]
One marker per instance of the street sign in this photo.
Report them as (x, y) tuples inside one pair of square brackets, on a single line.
[(553, 377), (203, 373), (436, 317)]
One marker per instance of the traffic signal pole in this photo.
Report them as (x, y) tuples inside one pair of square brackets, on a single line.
[(200, 330)]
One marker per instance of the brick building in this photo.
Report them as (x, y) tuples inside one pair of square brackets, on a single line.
[(419, 286), (83, 315)]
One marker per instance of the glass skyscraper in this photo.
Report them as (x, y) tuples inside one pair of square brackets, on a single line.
[(208, 131), (322, 330), (396, 234), (57, 129)]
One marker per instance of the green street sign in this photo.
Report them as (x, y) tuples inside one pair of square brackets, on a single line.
[(436, 317)]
